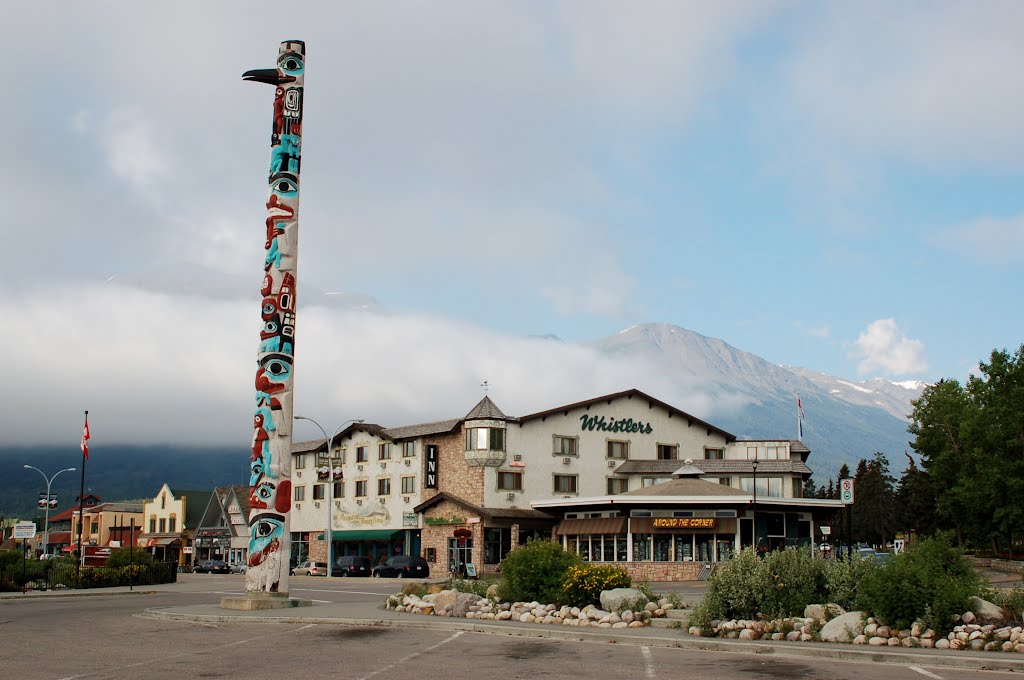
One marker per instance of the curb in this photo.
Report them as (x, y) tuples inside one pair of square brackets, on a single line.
[(1000, 661), (52, 594)]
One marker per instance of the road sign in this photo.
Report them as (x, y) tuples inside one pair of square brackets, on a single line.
[(846, 491), (24, 530), (826, 530)]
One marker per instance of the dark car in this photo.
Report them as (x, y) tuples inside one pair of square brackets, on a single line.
[(212, 567), (351, 566), (403, 566)]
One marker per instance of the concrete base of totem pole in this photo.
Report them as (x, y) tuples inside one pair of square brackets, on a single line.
[(261, 600)]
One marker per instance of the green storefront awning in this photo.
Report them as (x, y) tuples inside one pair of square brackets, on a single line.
[(365, 535)]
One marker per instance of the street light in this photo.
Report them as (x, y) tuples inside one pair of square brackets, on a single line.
[(329, 480), (753, 464), (46, 526)]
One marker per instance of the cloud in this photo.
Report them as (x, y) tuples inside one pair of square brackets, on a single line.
[(933, 82), (986, 240), (132, 150), (823, 332), (882, 346), (151, 366)]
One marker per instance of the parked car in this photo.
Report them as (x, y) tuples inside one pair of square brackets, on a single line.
[(239, 568), (403, 566), (352, 565), (309, 568), (212, 567)]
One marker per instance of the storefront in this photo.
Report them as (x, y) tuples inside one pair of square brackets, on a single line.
[(213, 544)]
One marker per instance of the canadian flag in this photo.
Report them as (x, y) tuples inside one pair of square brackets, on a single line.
[(85, 437)]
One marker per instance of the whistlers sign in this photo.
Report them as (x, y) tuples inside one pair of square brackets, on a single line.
[(605, 425)]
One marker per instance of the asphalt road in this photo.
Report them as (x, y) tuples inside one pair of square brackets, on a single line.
[(102, 636)]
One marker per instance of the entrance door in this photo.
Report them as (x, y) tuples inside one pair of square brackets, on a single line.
[(460, 553)]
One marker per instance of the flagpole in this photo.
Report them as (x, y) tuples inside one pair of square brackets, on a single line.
[(81, 499)]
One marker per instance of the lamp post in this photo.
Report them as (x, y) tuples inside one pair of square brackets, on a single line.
[(329, 480), (46, 525), (753, 464)]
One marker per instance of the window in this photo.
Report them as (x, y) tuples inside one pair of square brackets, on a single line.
[(668, 451), (299, 493), (339, 489), (431, 555), (163, 501), (361, 488), (318, 491), (163, 526), (651, 481), (497, 544), (384, 452), (713, 454), (485, 439), (725, 481), (94, 527), (751, 453), (152, 525), (340, 454), (384, 486), (564, 446), (172, 524), (618, 450), (766, 486), (510, 481), (408, 485), (408, 449), (361, 454), (617, 485), (300, 461), (565, 483)]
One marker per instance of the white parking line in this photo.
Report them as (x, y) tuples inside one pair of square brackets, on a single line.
[(328, 590), (648, 661), (918, 669), (412, 656)]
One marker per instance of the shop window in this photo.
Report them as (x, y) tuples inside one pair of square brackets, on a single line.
[(668, 452), (361, 488), (408, 449), (299, 493), (384, 486), (617, 485), (714, 454), (565, 446), (641, 547), (510, 481), (408, 485), (362, 454), (497, 544), (485, 439), (300, 461), (318, 491), (384, 452), (618, 450), (565, 483)]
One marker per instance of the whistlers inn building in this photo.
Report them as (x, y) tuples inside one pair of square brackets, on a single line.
[(622, 479)]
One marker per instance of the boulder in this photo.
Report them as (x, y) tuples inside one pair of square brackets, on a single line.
[(444, 599), (617, 598), (463, 601), (842, 628), (985, 611)]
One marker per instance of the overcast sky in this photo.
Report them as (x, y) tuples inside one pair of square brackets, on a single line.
[(829, 185)]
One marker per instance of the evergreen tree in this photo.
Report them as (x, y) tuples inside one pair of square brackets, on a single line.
[(809, 490)]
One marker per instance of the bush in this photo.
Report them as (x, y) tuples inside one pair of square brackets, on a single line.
[(123, 557), (1011, 602), (583, 583), (789, 581), (842, 578), (931, 583), (535, 571), (732, 592)]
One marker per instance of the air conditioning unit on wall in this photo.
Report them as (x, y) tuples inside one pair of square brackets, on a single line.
[(383, 500), (298, 473), (611, 463), (565, 461), (407, 463), (517, 457), (359, 501), (511, 496), (405, 499)]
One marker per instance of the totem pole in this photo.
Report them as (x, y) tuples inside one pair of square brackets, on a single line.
[(270, 478)]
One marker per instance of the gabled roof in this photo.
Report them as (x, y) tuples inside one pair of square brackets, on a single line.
[(686, 486), (665, 468), (486, 410), (195, 506), (486, 513), (423, 429), (631, 394)]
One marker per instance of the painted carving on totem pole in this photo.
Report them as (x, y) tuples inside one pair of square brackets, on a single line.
[(270, 473)]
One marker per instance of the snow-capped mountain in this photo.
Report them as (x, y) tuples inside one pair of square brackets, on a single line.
[(754, 398)]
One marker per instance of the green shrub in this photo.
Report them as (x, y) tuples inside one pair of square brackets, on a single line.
[(535, 571), (930, 582), (788, 581), (583, 583), (842, 577), (1011, 601), (122, 557), (732, 592)]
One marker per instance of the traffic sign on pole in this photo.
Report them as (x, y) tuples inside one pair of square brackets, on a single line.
[(846, 491)]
